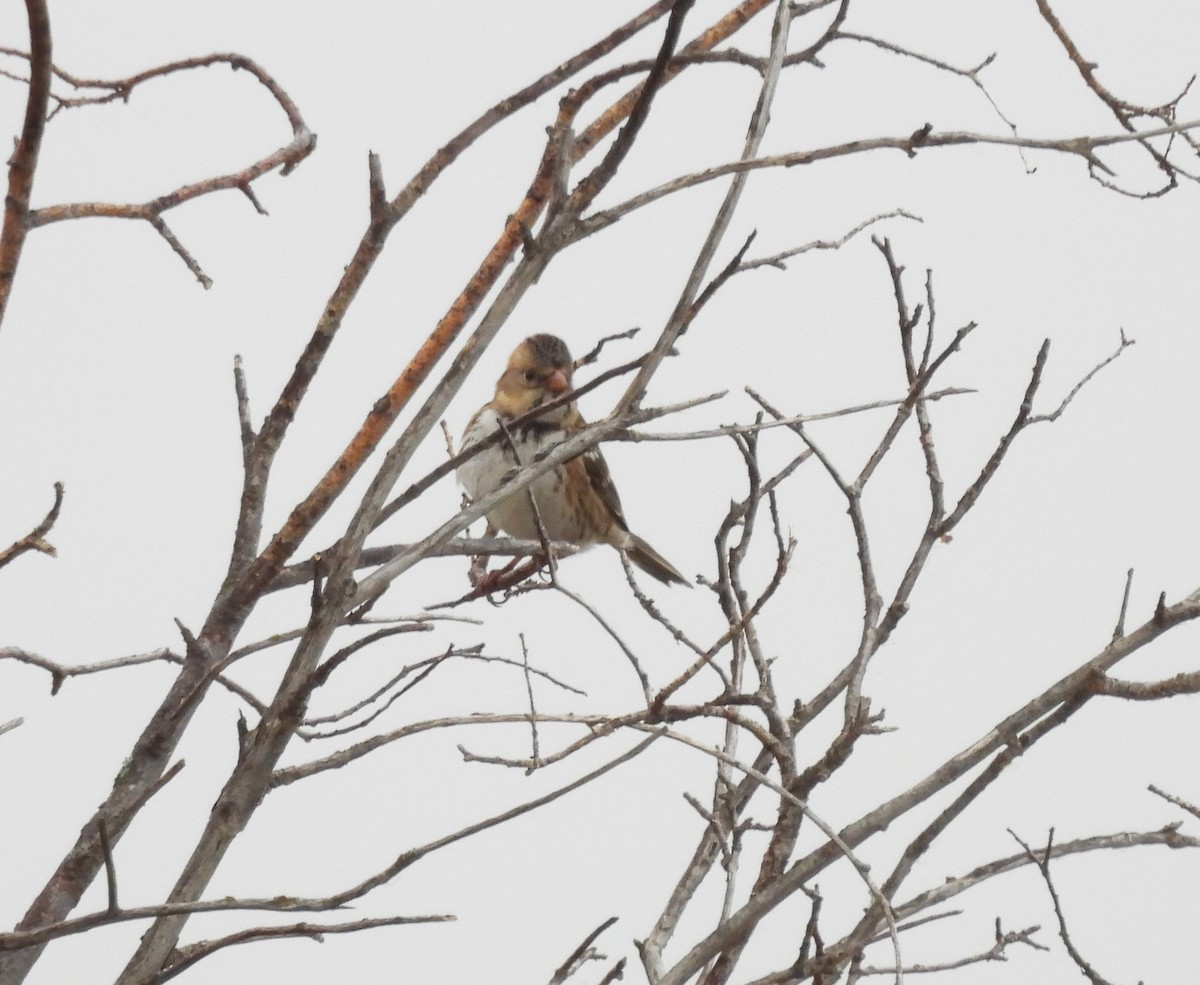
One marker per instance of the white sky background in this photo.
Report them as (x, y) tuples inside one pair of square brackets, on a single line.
[(115, 378)]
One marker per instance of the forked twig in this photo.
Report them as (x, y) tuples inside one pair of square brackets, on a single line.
[(35, 540), (1043, 866)]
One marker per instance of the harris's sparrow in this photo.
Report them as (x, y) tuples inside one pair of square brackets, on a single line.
[(577, 501)]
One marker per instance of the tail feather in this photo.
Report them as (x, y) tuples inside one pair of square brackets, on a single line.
[(653, 563)]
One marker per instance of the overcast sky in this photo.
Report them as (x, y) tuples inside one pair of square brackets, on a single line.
[(116, 379)]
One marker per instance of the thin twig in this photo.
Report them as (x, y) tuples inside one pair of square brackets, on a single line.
[(582, 953), (1119, 629), (536, 754), (604, 624), (1043, 866), (110, 868), (192, 953), (1177, 801), (35, 540)]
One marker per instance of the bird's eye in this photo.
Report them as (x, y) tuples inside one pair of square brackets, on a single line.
[(530, 376)]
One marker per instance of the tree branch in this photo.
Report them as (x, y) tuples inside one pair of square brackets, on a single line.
[(23, 164)]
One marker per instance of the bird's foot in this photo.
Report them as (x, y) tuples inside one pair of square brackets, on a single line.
[(487, 583)]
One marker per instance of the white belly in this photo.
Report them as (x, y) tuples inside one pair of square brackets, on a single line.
[(487, 471)]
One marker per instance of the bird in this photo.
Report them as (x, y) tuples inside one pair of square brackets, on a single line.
[(576, 501)]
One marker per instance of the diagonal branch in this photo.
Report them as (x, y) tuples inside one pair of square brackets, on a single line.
[(35, 540), (23, 163), (1043, 866)]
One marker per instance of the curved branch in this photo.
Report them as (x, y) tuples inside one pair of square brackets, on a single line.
[(1124, 112), (35, 540), (286, 158)]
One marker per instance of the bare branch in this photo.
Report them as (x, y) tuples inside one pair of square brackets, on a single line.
[(586, 191), (285, 158), (584, 952), (19, 940), (604, 624), (804, 870), (1125, 113), (597, 725), (749, 707), (594, 354), (192, 953), (973, 75), (535, 754), (1119, 629), (35, 540), (1177, 801), (447, 154), (777, 260), (1184, 683), (1055, 414), (997, 952), (837, 840), (1043, 866), (110, 869), (1084, 147), (971, 495), (1168, 836), (60, 672), (23, 163), (413, 855)]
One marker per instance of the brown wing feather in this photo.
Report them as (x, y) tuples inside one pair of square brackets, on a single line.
[(596, 470), (601, 480), (640, 553)]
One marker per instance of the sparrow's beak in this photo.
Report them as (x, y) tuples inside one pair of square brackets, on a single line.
[(556, 382)]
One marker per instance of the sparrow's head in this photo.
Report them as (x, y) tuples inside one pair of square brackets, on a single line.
[(538, 370)]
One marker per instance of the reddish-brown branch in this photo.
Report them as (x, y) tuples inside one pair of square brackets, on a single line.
[(448, 153), (192, 953), (607, 121), (23, 163), (587, 190)]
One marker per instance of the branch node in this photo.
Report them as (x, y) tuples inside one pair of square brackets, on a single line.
[(246, 189), (918, 138)]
